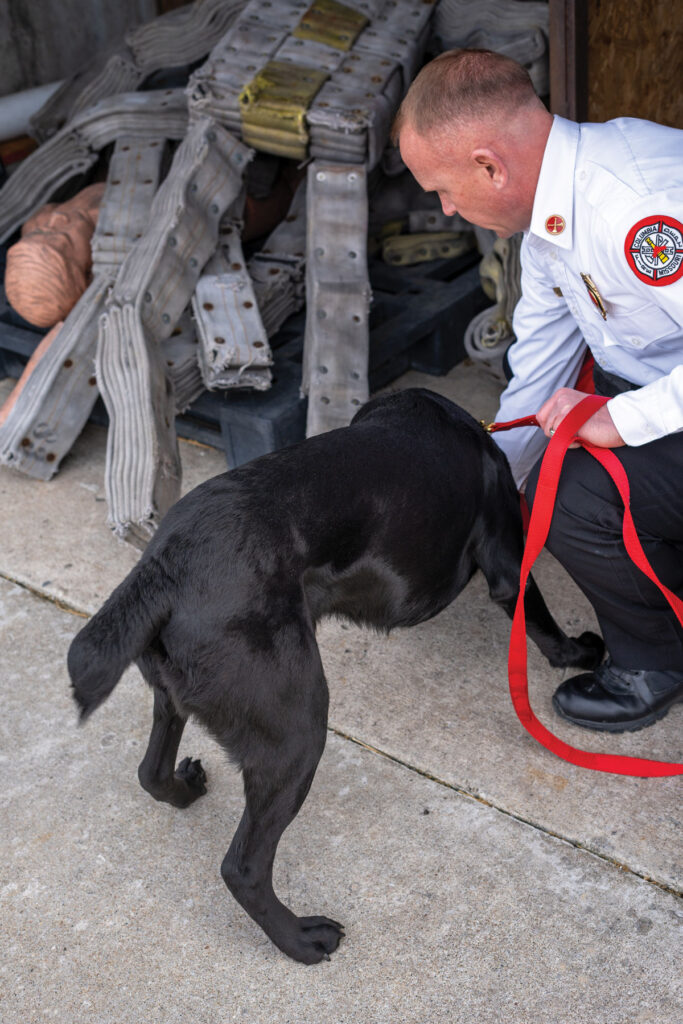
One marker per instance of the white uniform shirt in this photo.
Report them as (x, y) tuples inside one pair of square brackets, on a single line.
[(609, 205)]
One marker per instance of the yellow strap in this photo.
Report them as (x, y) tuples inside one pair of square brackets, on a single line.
[(274, 105), (332, 23)]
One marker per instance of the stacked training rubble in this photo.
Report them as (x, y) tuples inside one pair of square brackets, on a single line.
[(517, 29), (313, 82)]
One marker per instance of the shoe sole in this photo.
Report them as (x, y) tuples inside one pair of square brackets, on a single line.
[(633, 726)]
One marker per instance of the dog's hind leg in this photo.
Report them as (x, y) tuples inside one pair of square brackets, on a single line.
[(278, 771), (157, 773)]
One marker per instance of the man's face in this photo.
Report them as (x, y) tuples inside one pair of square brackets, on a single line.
[(439, 164)]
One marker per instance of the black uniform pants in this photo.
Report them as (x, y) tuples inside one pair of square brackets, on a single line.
[(638, 626)]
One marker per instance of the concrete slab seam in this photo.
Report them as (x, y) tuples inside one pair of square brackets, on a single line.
[(63, 606), (509, 814)]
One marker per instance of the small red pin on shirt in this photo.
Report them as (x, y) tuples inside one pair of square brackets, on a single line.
[(555, 225)]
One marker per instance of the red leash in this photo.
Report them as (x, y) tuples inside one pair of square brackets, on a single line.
[(541, 516)]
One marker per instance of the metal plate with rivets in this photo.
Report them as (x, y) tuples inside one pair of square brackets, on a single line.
[(133, 177), (233, 345), (58, 392), (161, 271), (337, 296), (152, 289)]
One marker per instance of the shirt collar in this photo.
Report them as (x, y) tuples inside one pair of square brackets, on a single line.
[(552, 214)]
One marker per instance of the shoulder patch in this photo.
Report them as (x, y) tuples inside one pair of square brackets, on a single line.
[(654, 249)]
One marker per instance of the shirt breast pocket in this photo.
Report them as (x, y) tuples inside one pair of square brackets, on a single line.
[(639, 328)]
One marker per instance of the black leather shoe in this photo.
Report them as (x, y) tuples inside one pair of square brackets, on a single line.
[(616, 699)]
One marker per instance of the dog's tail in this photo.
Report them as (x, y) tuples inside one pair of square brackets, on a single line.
[(118, 634)]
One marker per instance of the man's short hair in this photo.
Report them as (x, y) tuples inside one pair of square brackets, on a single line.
[(463, 85)]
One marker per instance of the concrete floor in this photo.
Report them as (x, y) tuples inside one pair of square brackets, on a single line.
[(480, 879)]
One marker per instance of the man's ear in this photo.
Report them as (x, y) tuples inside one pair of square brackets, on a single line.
[(492, 165)]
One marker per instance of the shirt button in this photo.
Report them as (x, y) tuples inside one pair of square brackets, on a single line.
[(581, 175), (637, 342)]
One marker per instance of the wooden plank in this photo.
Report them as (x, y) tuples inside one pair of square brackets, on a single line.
[(568, 40)]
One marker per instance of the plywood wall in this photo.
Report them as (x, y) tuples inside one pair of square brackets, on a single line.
[(635, 60)]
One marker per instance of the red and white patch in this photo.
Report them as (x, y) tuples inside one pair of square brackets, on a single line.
[(654, 250), (555, 225)]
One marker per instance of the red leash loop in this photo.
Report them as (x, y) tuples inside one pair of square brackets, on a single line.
[(541, 516)]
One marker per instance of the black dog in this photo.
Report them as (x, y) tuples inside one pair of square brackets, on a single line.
[(383, 522)]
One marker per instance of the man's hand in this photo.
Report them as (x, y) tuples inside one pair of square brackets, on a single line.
[(599, 429)]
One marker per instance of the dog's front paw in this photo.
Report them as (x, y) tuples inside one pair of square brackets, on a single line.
[(313, 939), (587, 651)]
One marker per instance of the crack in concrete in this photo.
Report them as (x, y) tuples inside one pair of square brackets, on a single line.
[(619, 865), (613, 862), (44, 595)]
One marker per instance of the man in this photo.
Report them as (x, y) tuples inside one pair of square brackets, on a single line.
[(601, 208)]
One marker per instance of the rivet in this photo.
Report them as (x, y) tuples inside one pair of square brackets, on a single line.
[(321, 314), (322, 369), (320, 252), (213, 208), (68, 363), (352, 255), (92, 381), (258, 344), (248, 304), (355, 401), (208, 306), (193, 262), (219, 341), (324, 399), (173, 240), (25, 442), (211, 136), (235, 266), (50, 457), (165, 318), (320, 176), (148, 296)]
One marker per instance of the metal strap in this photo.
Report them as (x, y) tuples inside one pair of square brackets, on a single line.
[(58, 393), (153, 287), (234, 349), (335, 365)]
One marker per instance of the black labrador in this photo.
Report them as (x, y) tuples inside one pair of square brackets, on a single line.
[(382, 522)]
